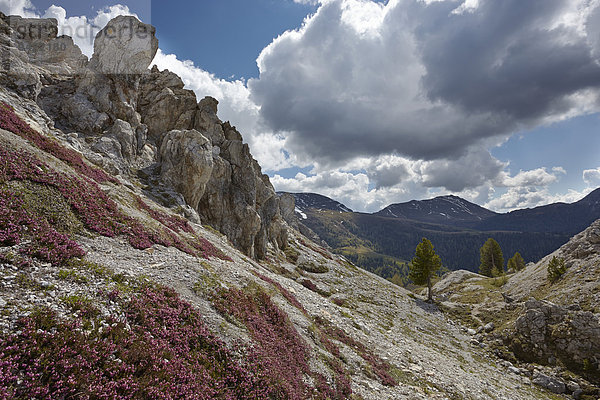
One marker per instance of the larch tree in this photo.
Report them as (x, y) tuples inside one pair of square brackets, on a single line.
[(516, 263), (492, 261), (424, 265)]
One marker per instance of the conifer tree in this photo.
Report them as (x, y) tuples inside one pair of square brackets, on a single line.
[(492, 261), (516, 263), (424, 265), (556, 269)]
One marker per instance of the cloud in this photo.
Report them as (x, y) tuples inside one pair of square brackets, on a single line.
[(389, 101), (420, 80), (535, 177), (529, 197), (309, 2), (592, 177), (23, 8), (470, 171)]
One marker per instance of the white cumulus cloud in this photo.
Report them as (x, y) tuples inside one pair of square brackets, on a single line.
[(592, 177), (415, 78)]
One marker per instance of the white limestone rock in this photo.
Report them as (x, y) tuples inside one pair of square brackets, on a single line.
[(124, 46), (186, 163)]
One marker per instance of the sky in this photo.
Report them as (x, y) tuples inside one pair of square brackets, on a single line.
[(379, 102)]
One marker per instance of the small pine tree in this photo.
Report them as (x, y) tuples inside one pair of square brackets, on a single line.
[(516, 263), (492, 260), (424, 266), (556, 268)]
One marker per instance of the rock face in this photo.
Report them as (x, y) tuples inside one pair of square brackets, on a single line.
[(128, 118), (546, 331), (164, 104), (239, 200), (124, 46), (186, 163)]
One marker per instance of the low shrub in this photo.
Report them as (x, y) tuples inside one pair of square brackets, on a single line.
[(311, 267), (277, 344), (310, 285), (96, 211), (284, 292), (291, 254), (339, 301), (556, 269), (381, 368)]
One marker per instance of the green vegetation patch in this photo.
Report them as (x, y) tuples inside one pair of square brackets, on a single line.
[(312, 267), (49, 203)]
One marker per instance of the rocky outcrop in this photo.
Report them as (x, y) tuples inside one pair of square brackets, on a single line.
[(547, 332), (186, 163), (164, 104), (239, 200), (38, 38), (288, 207), (131, 117), (124, 46)]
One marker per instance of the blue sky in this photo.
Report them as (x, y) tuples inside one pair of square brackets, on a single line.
[(373, 103), (224, 37)]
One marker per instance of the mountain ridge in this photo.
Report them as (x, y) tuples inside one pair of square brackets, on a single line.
[(457, 228), (441, 210)]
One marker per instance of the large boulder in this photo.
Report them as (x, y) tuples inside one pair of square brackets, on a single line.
[(124, 46), (546, 331), (186, 163)]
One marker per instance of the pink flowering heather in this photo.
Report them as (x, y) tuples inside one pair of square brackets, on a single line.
[(278, 345), (175, 223), (341, 388), (168, 353), (45, 242), (284, 292), (11, 122), (95, 209)]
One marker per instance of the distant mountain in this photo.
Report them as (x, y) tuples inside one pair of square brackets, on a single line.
[(444, 210), (308, 201), (381, 241), (552, 218)]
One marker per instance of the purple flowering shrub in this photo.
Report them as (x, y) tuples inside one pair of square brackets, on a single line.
[(165, 352), (174, 223), (280, 348), (341, 387), (310, 285), (10, 121), (277, 344), (284, 292), (93, 207), (45, 242)]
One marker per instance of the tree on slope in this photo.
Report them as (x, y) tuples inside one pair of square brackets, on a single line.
[(492, 261), (516, 263), (424, 265)]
